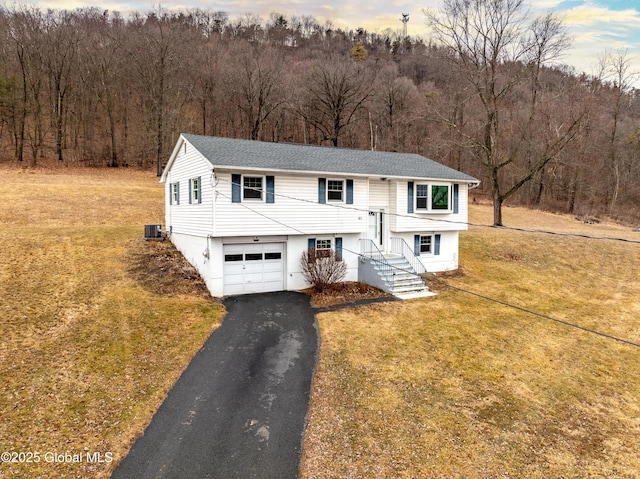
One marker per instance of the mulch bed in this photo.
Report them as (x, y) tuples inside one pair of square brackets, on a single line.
[(345, 292), (161, 269)]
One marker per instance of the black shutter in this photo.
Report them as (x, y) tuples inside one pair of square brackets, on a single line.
[(236, 188), (410, 198), (339, 247), (436, 248), (349, 192), (270, 189), (322, 190)]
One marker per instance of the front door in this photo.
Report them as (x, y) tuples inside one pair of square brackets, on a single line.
[(376, 228)]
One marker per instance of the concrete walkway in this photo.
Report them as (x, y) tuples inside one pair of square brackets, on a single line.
[(239, 409)]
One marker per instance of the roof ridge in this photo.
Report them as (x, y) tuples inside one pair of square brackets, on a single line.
[(296, 157), (306, 145)]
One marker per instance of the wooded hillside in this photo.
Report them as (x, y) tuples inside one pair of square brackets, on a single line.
[(91, 87)]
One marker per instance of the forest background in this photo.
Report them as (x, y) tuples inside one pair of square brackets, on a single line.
[(90, 87)]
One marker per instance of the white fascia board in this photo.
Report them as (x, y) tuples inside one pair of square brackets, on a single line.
[(230, 169), (174, 154)]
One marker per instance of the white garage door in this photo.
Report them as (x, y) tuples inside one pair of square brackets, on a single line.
[(253, 268)]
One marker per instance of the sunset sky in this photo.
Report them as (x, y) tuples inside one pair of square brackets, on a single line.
[(594, 25)]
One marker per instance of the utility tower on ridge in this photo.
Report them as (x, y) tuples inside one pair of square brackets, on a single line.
[(404, 20)]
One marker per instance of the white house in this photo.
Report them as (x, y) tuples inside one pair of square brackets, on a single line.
[(243, 212)]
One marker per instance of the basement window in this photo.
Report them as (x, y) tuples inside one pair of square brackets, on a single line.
[(425, 244), (323, 248)]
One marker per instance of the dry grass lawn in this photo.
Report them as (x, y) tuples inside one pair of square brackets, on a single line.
[(97, 325), (458, 387), (89, 345)]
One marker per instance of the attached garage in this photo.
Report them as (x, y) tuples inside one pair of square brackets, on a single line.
[(253, 268)]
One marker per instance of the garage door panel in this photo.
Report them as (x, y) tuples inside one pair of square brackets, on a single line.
[(253, 268)]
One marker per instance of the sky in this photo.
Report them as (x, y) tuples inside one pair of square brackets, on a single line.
[(595, 26)]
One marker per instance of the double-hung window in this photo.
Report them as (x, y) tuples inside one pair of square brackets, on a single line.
[(422, 197), (335, 190), (195, 190), (425, 244), (323, 248), (252, 187), (174, 193)]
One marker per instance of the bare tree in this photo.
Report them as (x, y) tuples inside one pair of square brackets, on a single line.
[(25, 32), (60, 53), (102, 71), (334, 91), (258, 86), (394, 97), (615, 69), (495, 47), (154, 48)]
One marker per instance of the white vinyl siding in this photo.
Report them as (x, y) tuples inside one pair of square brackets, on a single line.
[(447, 260), (295, 211), (192, 219), (422, 220), (379, 194)]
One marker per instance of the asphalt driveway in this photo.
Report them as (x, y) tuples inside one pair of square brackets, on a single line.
[(239, 409)]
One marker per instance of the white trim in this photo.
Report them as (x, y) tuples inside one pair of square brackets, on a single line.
[(252, 239), (263, 189), (195, 193), (327, 174), (429, 209), (431, 244), (343, 190), (175, 192)]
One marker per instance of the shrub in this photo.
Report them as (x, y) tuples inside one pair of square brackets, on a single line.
[(323, 271)]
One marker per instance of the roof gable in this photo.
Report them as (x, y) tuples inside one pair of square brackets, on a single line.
[(249, 154)]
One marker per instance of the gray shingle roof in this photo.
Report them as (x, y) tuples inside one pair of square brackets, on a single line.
[(233, 153)]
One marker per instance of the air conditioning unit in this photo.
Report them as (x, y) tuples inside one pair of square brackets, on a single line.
[(153, 232)]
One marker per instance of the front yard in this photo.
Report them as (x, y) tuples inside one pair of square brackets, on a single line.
[(95, 331), (91, 339), (459, 387)]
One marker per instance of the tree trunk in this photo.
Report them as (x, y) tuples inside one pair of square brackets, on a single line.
[(497, 209), (160, 119), (59, 126)]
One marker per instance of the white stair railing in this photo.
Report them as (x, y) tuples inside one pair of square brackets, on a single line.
[(400, 246)]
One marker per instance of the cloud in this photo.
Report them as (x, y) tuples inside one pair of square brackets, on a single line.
[(546, 4), (590, 15), (596, 28)]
